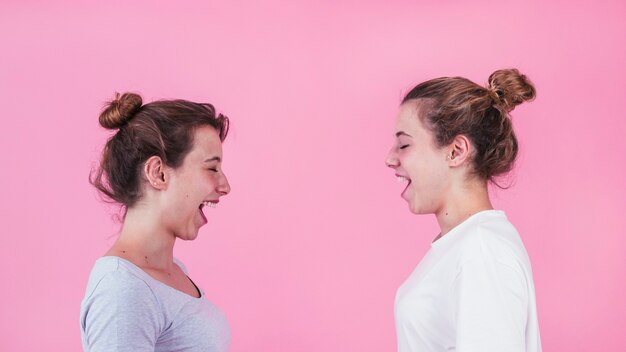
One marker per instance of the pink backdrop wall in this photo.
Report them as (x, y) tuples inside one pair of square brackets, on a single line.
[(308, 250)]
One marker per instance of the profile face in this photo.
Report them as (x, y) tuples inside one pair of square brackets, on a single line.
[(420, 166), (196, 186)]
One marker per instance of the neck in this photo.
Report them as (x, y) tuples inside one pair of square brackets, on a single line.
[(144, 241), (463, 202)]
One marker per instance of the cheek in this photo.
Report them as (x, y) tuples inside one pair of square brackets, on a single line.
[(208, 183), (181, 198), (425, 173), (414, 166)]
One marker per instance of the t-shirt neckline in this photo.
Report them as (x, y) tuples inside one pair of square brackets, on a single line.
[(471, 219), (150, 278)]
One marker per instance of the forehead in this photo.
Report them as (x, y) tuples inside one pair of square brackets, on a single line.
[(408, 119), (206, 143)]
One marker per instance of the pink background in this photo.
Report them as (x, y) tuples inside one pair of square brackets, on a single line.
[(308, 250)]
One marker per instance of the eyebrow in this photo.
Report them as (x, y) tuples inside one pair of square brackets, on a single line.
[(215, 158), (402, 133)]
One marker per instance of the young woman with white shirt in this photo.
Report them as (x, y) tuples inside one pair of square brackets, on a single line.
[(163, 165), (473, 290)]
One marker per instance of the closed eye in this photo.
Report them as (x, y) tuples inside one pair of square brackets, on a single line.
[(404, 146)]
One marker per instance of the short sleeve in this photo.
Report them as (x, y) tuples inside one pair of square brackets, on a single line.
[(122, 314), (491, 307)]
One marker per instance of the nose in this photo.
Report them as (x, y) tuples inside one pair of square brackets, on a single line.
[(392, 160), (223, 187)]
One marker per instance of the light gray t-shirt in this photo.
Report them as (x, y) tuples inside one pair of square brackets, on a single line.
[(125, 309)]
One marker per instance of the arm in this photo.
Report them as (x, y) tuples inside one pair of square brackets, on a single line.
[(491, 307)]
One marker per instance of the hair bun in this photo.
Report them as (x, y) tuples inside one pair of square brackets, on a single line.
[(511, 88), (118, 112)]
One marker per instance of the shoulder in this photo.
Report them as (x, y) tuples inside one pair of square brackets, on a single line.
[(491, 237), (120, 310), (116, 292), (114, 278), (491, 256)]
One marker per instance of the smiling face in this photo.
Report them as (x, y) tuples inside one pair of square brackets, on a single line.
[(198, 183), (418, 163)]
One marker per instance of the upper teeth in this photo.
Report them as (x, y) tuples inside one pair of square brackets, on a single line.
[(402, 179), (210, 204)]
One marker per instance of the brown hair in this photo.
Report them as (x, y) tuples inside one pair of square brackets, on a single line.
[(455, 105), (161, 128)]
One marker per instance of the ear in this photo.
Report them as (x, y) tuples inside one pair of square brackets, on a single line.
[(155, 172), (459, 151)]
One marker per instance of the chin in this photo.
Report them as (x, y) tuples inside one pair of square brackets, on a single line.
[(418, 210), (188, 236), (414, 211), (412, 207)]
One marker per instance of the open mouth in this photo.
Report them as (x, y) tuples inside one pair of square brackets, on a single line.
[(206, 203)]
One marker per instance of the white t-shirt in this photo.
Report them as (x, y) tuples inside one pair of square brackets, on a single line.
[(125, 309), (472, 291)]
